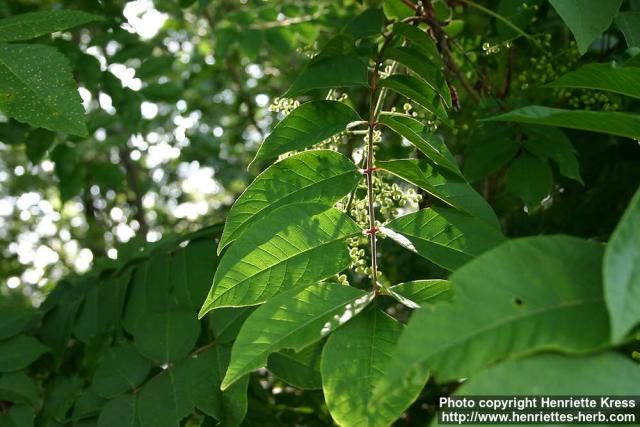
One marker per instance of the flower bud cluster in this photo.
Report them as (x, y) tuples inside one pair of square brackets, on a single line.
[(284, 105)]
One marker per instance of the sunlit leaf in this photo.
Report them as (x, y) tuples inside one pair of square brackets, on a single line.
[(607, 77), (34, 24), (292, 320), (321, 176)]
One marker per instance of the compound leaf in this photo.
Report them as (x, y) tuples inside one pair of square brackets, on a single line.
[(417, 91), (19, 352), (607, 77), (121, 370), (417, 292), (530, 179), (328, 72), (166, 336)]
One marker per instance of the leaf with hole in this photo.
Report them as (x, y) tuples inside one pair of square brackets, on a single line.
[(295, 244), (543, 293), (321, 176), (292, 320)]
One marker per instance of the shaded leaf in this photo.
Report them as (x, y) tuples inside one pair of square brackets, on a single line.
[(622, 272), (551, 143), (421, 41), (621, 124), (445, 186), (119, 412), (294, 319), (122, 369), (607, 77), (321, 176), (17, 387), (444, 236), (166, 336), (530, 179), (415, 60), (295, 244), (164, 400), (307, 125), (327, 72), (367, 23), (299, 369), (586, 19), (226, 322), (37, 88), (543, 293), (417, 91), (13, 320), (19, 352), (628, 24), (492, 146)]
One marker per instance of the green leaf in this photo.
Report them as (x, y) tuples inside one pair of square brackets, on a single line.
[(530, 179), (307, 125), (551, 143), (586, 19), (19, 352), (39, 142), (445, 186), (18, 416), (367, 23), (418, 292), (88, 405), (191, 270), (492, 146), (415, 60), (37, 88), (166, 336), (354, 358), (628, 24), (13, 320), (429, 143), (544, 293), (122, 369), (299, 369), (520, 16), (321, 176), (396, 9), (421, 41), (164, 400), (327, 72), (226, 322), (607, 77), (17, 387), (294, 319), (119, 412), (206, 371), (621, 124), (444, 236), (557, 375), (417, 91), (35, 24), (295, 244), (622, 272)]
